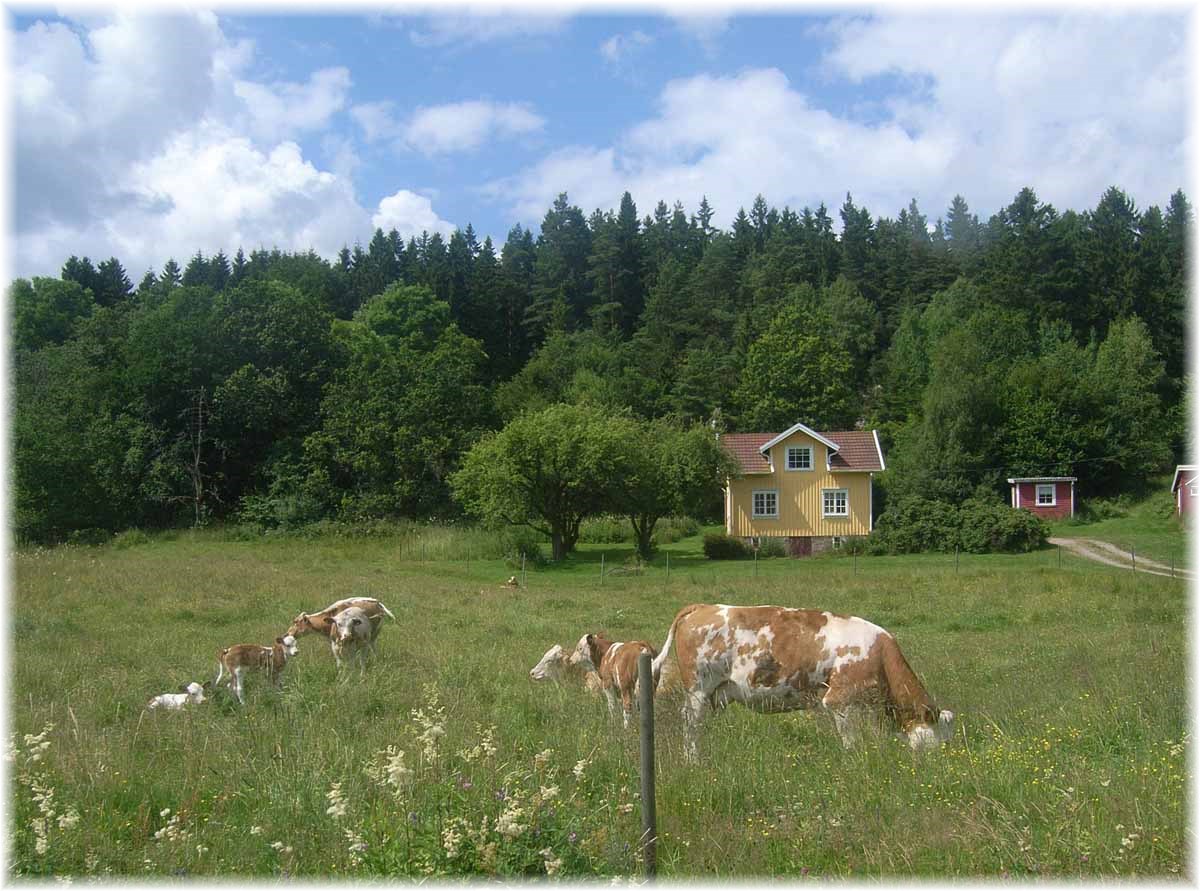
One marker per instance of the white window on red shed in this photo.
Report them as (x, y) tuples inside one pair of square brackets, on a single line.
[(1046, 496)]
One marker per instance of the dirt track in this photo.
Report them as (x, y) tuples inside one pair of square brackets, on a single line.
[(1110, 554)]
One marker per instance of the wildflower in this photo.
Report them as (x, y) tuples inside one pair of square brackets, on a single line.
[(451, 840), (69, 819), (357, 846), (509, 824), (625, 808), (548, 793), (573, 837), (337, 802), (256, 830), (553, 864), (165, 812), (580, 767), (201, 850), (542, 758)]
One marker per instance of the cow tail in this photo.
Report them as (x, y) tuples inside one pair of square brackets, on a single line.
[(386, 611), (661, 659)]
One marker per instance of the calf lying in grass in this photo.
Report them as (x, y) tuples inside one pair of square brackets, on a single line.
[(556, 665), (240, 658), (616, 663), (189, 694)]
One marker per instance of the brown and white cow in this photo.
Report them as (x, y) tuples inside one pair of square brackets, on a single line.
[(775, 659), (322, 622), (616, 662)]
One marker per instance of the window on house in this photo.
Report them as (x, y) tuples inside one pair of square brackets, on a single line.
[(1194, 491), (837, 502), (799, 458), (837, 542), (766, 503), (1045, 495)]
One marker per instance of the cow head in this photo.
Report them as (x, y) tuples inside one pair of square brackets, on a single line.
[(300, 625), (585, 657), (195, 692), (934, 728), (552, 666), (288, 643)]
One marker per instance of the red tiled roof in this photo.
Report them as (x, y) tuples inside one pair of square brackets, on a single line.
[(856, 450)]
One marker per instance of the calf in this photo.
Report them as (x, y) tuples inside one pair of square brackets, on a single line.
[(351, 629), (188, 693), (617, 665), (322, 622), (775, 659), (556, 665), (240, 658)]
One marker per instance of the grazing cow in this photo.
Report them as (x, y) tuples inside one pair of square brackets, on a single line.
[(240, 658), (351, 629), (617, 665), (321, 622), (188, 693), (556, 665), (775, 659)]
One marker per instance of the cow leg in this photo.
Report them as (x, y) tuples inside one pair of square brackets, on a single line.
[(846, 716), (610, 697), (626, 707), (337, 654), (693, 713), (236, 683)]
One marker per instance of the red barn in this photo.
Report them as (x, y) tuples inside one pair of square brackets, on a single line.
[(1048, 497), (1186, 489)]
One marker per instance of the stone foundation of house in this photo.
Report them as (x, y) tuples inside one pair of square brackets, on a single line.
[(806, 545)]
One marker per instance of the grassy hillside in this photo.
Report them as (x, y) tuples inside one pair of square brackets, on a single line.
[(1069, 758), (1147, 526)]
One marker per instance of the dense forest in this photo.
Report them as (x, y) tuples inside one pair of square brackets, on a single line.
[(290, 388)]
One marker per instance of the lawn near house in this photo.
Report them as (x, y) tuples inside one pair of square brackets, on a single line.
[(449, 760)]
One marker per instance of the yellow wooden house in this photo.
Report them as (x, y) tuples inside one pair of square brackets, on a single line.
[(811, 489)]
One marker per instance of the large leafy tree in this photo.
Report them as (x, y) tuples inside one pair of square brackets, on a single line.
[(548, 470), (669, 470), (397, 417), (46, 310), (796, 369)]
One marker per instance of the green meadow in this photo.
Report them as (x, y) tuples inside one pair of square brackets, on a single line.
[(1068, 679)]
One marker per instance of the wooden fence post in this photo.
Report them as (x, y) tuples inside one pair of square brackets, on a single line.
[(649, 840)]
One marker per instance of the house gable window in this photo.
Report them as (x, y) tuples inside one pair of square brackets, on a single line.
[(1046, 495), (799, 458), (766, 503), (836, 502)]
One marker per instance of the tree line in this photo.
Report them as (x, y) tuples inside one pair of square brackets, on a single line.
[(281, 387)]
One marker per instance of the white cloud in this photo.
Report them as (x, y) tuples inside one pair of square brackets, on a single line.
[(284, 110), (621, 46), (376, 120), (462, 126), (142, 138), (1067, 105), (409, 214), (485, 24)]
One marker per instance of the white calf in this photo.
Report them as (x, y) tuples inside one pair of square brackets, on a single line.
[(556, 665), (192, 693)]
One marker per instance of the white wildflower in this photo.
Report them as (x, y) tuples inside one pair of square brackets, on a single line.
[(580, 767), (357, 846), (548, 793), (509, 824), (395, 768), (256, 830), (553, 864), (69, 819), (451, 840), (542, 758), (201, 850), (337, 802), (277, 845), (625, 808)]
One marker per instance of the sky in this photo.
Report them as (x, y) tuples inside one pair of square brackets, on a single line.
[(149, 133)]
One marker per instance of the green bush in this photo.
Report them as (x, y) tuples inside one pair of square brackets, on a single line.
[(605, 530), (89, 536), (987, 526), (772, 547), (1091, 510), (521, 540), (278, 511), (129, 538), (719, 546), (673, 529), (912, 524)]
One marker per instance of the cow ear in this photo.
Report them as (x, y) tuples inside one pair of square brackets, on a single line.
[(279, 640), (183, 688)]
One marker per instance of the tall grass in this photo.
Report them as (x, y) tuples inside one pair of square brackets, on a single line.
[(1069, 758)]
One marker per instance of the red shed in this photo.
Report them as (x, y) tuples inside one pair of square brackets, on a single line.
[(1049, 497), (1186, 488)]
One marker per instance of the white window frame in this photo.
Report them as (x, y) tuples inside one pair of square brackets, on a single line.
[(826, 494), (1042, 487), (755, 514), (787, 463), (1194, 491)]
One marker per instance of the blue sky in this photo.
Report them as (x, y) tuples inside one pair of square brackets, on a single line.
[(151, 133)]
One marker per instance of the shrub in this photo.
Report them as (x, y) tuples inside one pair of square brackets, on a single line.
[(129, 538), (673, 529), (719, 546), (912, 524), (278, 511), (88, 536), (1092, 509), (987, 526), (605, 530), (519, 540), (772, 547)]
